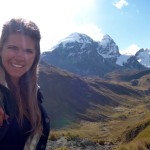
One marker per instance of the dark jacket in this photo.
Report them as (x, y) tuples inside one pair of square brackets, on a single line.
[(10, 128)]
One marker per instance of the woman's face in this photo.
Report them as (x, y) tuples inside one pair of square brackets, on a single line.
[(18, 55)]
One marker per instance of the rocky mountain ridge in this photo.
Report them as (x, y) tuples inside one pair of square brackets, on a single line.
[(105, 103), (82, 55)]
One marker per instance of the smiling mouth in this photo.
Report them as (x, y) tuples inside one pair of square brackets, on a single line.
[(17, 66)]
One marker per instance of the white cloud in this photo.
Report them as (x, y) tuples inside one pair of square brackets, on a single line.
[(131, 50), (120, 4), (55, 18)]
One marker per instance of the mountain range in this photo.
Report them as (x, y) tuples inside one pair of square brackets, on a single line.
[(79, 75), (93, 90), (80, 54)]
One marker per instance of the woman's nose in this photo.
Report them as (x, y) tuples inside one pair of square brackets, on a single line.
[(20, 54)]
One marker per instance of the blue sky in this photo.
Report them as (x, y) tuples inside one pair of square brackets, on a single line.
[(126, 21)]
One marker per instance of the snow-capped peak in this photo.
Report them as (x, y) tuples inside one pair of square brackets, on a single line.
[(108, 48), (106, 39), (77, 37), (74, 37), (143, 57)]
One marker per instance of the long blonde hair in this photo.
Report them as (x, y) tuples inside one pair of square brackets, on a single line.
[(26, 97)]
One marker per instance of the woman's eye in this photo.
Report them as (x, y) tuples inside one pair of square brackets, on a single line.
[(29, 50), (12, 47)]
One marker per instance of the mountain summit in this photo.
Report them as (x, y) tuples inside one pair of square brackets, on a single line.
[(143, 57), (77, 37), (108, 48), (80, 54)]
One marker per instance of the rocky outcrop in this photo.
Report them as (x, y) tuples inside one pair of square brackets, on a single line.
[(77, 144)]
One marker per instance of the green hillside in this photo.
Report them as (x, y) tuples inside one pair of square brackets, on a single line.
[(102, 110)]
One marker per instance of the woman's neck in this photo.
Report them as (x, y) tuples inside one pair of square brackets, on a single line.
[(15, 82)]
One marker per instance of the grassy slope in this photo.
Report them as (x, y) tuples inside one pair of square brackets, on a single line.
[(108, 110)]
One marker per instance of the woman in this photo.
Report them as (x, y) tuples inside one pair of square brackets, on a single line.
[(23, 121)]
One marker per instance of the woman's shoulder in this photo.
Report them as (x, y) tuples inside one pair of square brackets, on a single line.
[(40, 95), (3, 88), (3, 94), (8, 100), (45, 120), (8, 105)]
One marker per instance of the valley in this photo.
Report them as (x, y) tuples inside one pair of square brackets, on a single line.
[(112, 132), (103, 110)]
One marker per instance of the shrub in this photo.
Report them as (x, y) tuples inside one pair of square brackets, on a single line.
[(142, 144), (53, 137), (72, 136)]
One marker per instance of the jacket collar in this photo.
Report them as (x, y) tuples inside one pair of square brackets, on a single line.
[(2, 77)]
